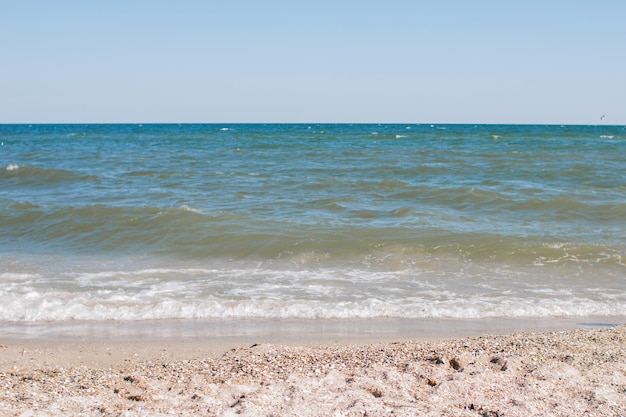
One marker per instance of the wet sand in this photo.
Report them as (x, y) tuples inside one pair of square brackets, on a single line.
[(578, 371)]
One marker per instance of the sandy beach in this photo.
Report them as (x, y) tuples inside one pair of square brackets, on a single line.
[(559, 373)]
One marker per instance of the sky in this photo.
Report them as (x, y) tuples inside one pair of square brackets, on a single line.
[(140, 61)]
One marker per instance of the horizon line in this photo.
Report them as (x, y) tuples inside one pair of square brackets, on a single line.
[(317, 123)]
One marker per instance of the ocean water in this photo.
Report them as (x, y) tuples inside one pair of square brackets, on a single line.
[(210, 221)]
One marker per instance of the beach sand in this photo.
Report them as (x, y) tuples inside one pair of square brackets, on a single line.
[(560, 373)]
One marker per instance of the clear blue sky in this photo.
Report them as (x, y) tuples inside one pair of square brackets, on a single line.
[(313, 61)]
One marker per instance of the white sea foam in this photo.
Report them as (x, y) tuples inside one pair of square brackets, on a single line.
[(32, 307), (190, 209), (194, 293), (17, 276), (12, 167)]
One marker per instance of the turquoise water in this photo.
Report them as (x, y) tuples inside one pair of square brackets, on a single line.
[(309, 221)]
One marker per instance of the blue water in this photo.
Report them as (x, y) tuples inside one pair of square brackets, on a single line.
[(137, 222)]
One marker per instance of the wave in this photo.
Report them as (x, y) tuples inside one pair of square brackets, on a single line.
[(187, 232), (79, 308), (443, 276), (529, 203), (25, 175), (231, 292)]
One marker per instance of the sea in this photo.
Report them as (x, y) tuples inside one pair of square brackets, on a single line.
[(150, 222)]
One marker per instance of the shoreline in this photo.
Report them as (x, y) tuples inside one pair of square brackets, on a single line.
[(249, 330), (563, 372)]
